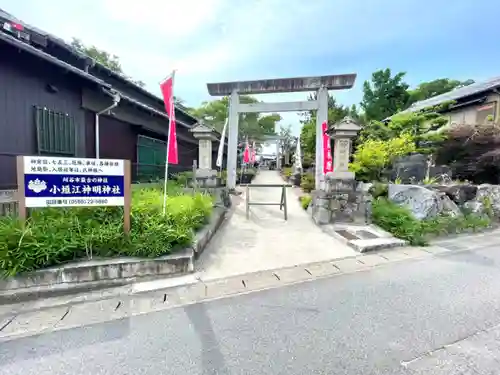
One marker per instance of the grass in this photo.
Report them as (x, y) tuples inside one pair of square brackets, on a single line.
[(400, 222), (288, 172), (305, 201), (55, 235), (307, 182)]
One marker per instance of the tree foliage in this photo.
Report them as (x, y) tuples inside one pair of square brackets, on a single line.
[(373, 155), (103, 57), (252, 125), (336, 112), (385, 95), (288, 142), (380, 142), (472, 152), (427, 90)]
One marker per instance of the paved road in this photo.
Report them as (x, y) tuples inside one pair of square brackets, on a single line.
[(266, 240), (435, 315)]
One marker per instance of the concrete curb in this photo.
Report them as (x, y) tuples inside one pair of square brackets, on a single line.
[(20, 323), (97, 274), (206, 233), (92, 275)]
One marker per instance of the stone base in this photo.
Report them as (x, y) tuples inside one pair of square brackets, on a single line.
[(206, 177), (341, 202), (340, 175), (363, 238)]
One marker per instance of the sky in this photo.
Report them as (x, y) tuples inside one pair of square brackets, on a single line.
[(232, 40)]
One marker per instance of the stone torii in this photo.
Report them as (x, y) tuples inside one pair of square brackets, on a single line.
[(319, 84)]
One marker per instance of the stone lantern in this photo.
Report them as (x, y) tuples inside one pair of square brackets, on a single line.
[(338, 201), (342, 134), (205, 136)]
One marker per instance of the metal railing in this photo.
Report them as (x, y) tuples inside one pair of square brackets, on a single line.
[(282, 203)]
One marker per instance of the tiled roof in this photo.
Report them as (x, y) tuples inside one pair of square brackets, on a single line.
[(462, 92)]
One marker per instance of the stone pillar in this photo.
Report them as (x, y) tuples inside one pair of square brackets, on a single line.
[(205, 153), (232, 146), (205, 136), (342, 134), (321, 116), (278, 156), (338, 200)]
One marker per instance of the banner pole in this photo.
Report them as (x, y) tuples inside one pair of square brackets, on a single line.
[(172, 113)]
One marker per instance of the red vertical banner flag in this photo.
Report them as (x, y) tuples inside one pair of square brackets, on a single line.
[(167, 90), (327, 150), (252, 159), (246, 154)]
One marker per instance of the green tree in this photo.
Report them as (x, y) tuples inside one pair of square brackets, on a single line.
[(420, 131), (252, 125), (287, 142), (384, 95), (421, 125), (110, 61), (336, 112), (427, 90), (373, 155)]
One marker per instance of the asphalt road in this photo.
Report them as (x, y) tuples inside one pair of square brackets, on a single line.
[(438, 315)]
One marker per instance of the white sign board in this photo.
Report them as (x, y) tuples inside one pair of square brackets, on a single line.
[(65, 182)]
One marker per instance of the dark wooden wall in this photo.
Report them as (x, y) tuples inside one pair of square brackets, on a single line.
[(24, 81), (23, 85)]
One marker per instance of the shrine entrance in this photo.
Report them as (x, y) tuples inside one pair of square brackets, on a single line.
[(320, 85)]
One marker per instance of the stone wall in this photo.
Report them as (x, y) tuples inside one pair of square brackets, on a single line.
[(426, 201), (342, 201), (416, 168)]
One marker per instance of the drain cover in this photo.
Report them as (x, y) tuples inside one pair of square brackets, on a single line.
[(366, 234), (347, 234)]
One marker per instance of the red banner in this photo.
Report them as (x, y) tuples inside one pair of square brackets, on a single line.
[(167, 90), (252, 158), (246, 154), (327, 150)]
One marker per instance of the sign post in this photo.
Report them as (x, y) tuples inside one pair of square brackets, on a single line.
[(73, 182)]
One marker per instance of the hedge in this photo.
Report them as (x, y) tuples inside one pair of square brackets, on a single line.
[(55, 235)]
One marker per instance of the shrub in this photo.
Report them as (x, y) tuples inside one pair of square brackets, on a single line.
[(372, 156), (400, 222), (379, 189), (307, 182), (472, 152), (305, 201), (55, 235), (287, 172), (184, 178), (223, 176)]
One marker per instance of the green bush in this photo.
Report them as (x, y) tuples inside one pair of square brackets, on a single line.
[(305, 201), (184, 178), (288, 171), (372, 156), (55, 235), (249, 171), (307, 182), (400, 222), (379, 189), (223, 176)]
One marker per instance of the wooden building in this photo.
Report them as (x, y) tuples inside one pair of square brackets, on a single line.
[(50, 96)]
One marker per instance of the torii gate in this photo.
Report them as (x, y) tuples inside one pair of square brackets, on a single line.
[(268, 86), (276, 139)]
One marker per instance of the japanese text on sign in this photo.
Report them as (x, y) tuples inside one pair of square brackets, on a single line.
[(53, 181)]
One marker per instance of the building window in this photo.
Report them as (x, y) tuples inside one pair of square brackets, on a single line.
[(486, 113), (151, 154), (56, 133)]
